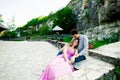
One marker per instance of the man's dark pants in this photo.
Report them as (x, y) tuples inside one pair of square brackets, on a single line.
[(80, 58)]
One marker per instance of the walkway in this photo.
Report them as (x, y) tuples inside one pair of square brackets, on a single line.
[(24, 60)]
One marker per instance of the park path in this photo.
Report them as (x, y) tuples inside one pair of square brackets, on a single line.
[(24, 60)]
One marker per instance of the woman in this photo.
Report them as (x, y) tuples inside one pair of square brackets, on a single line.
[(61, 64)]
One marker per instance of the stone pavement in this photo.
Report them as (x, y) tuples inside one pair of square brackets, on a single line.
[(24, 60), (89, 69), (97, 63)]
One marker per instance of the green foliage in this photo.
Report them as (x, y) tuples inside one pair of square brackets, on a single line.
[(67, 39), (7, 33), (1, 18), (85, 14), (97, 43), (24, 34), (44, 30), (114, 38), (117, 72), (117, 64), (65, 19), (87, 1), (36, 21), (32, 22), (117, 68)]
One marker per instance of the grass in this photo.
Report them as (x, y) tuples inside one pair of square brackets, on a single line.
[(67, 39), (97, 43)]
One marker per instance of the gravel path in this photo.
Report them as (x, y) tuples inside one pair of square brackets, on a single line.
[(24, 60)]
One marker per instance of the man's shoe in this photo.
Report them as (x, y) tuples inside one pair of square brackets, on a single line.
[(75, 69)]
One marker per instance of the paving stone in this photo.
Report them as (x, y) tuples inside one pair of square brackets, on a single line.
[(89, 69), (26, 60), (111, 50)]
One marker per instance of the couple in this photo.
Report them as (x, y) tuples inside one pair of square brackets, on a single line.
[(62, 64)]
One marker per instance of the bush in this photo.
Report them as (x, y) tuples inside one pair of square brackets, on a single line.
[(117, 68), (97, 43), (44, 30), (67, 39), (7, 33)]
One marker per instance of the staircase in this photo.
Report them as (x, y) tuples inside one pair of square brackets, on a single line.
[(98, 64)]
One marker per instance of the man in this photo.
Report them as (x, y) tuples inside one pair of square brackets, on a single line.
[(82, 45)]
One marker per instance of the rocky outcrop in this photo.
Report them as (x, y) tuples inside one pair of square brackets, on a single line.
[(98, 19)]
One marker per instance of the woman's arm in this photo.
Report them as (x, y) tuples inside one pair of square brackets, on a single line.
[(66, 45), (74, 56), (65, 54), (76, 53)]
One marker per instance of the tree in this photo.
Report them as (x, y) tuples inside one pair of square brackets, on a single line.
[(1, 18), (65, 19), (44, 30), (11, 24), (8, 33)]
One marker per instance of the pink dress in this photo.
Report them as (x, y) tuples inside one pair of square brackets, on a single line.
[(58, 67)]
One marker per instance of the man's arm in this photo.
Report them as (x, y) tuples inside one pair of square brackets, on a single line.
[(85, 49)]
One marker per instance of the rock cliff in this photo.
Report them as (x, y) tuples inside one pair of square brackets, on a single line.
[(99, 19)]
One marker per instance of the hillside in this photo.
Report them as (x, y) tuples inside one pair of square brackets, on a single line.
[(98, 19)]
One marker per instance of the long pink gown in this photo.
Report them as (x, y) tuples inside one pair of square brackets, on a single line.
[(58, 67)]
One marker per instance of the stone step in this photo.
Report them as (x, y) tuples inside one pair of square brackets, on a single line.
[(89, 69), (108, 53), (97, 64)]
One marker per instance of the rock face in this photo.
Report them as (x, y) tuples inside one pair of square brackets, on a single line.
[(98, 19)]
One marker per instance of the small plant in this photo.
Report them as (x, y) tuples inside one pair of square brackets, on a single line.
[(96, 43), (86, 3), (117, 68), (86, 13), (90, 46)]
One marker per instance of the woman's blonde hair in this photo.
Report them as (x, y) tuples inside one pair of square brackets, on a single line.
[(71, 43)]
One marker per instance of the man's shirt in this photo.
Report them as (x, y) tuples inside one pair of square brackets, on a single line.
[(83, 45)]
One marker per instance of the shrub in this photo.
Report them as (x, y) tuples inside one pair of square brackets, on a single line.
[(44, 30)]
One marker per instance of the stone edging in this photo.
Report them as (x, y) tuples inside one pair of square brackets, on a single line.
[(58, 44), (104, 58)]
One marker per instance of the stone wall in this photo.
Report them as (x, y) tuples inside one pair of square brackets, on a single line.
[(109, 76), (99, 19), (107, 31)]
